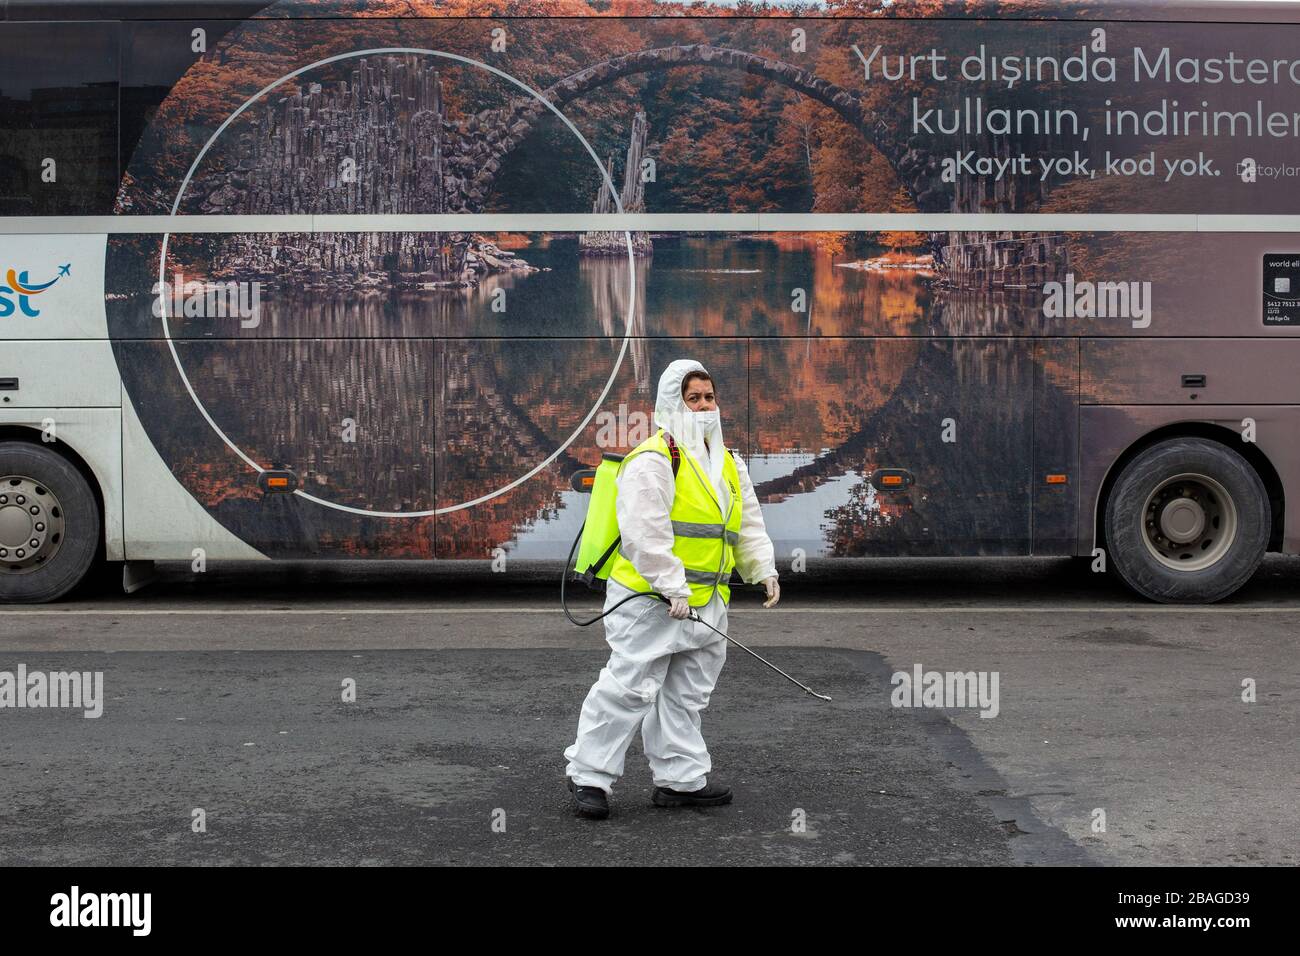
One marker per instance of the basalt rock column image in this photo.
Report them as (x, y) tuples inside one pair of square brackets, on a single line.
[(379, 142), (1018, 263)]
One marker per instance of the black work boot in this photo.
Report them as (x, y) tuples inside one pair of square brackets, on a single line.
[(711, 795), (589, 802)]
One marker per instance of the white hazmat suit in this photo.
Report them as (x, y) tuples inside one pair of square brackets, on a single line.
[(661, 671)]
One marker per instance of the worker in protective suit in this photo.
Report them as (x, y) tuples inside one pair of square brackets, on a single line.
[(687, 514)]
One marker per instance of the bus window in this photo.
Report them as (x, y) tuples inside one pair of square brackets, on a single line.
[(58, 139)]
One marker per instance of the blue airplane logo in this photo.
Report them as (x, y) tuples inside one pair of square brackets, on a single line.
[(18, 286)]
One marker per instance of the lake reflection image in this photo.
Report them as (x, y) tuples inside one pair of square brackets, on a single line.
[(454, 401)]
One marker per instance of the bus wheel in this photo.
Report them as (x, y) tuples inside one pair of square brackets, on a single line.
[(1187, 522), (49, 524)]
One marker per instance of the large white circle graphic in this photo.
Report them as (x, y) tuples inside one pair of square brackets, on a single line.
[(631, 272)]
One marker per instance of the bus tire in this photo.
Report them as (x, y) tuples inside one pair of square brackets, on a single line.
[(1187, 522), (49, 524)]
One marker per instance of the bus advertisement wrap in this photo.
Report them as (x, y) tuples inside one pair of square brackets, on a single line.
[(428, 268)]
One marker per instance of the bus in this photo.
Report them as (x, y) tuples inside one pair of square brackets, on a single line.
[(323, 279)]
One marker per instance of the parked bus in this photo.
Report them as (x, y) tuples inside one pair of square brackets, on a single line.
[(327, 280)]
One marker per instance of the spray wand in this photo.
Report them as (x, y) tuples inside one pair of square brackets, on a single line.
[(693, 617)]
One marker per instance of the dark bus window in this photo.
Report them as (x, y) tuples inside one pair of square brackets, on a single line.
[(58, 118), (155, 54)]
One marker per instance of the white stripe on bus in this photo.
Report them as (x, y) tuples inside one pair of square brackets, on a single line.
[(656, 222)]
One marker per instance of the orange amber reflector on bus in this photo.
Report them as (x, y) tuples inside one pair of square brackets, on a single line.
[(583, 480), (277, 482), (891, 479), (1056, 479)]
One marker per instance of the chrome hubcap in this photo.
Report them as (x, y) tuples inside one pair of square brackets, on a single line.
[(1182, 520), (1189, 522), (31, 524)]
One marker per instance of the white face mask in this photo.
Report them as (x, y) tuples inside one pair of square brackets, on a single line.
[(706, 420)]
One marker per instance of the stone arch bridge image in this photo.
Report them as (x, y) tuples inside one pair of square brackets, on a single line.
[(381, 141)]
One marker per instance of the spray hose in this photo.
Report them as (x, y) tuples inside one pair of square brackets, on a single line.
[(564, 579)]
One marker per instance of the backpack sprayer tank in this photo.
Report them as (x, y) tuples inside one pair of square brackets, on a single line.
[(599, 537)]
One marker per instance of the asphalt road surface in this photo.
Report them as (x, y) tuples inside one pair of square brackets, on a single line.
[(1120, 735)]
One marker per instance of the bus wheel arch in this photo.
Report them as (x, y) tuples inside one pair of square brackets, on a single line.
[(78, 494), (1218, 497)]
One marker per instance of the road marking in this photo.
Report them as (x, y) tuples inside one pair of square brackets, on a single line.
[(291, 612)]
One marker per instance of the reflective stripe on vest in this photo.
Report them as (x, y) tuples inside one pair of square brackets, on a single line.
[(696, 529), (693, 575), (701, 541)]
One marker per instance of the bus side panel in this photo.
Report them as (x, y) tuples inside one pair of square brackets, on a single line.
[(349, 418), (72, 374), (1056, 446), (162, 519), (1106, 431), (66, 276), (954, 414), (1193, 371)]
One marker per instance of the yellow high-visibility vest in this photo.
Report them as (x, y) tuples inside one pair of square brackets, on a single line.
[(704, 538)]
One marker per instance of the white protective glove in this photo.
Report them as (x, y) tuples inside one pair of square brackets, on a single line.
[(773, 592), (679, 610)]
